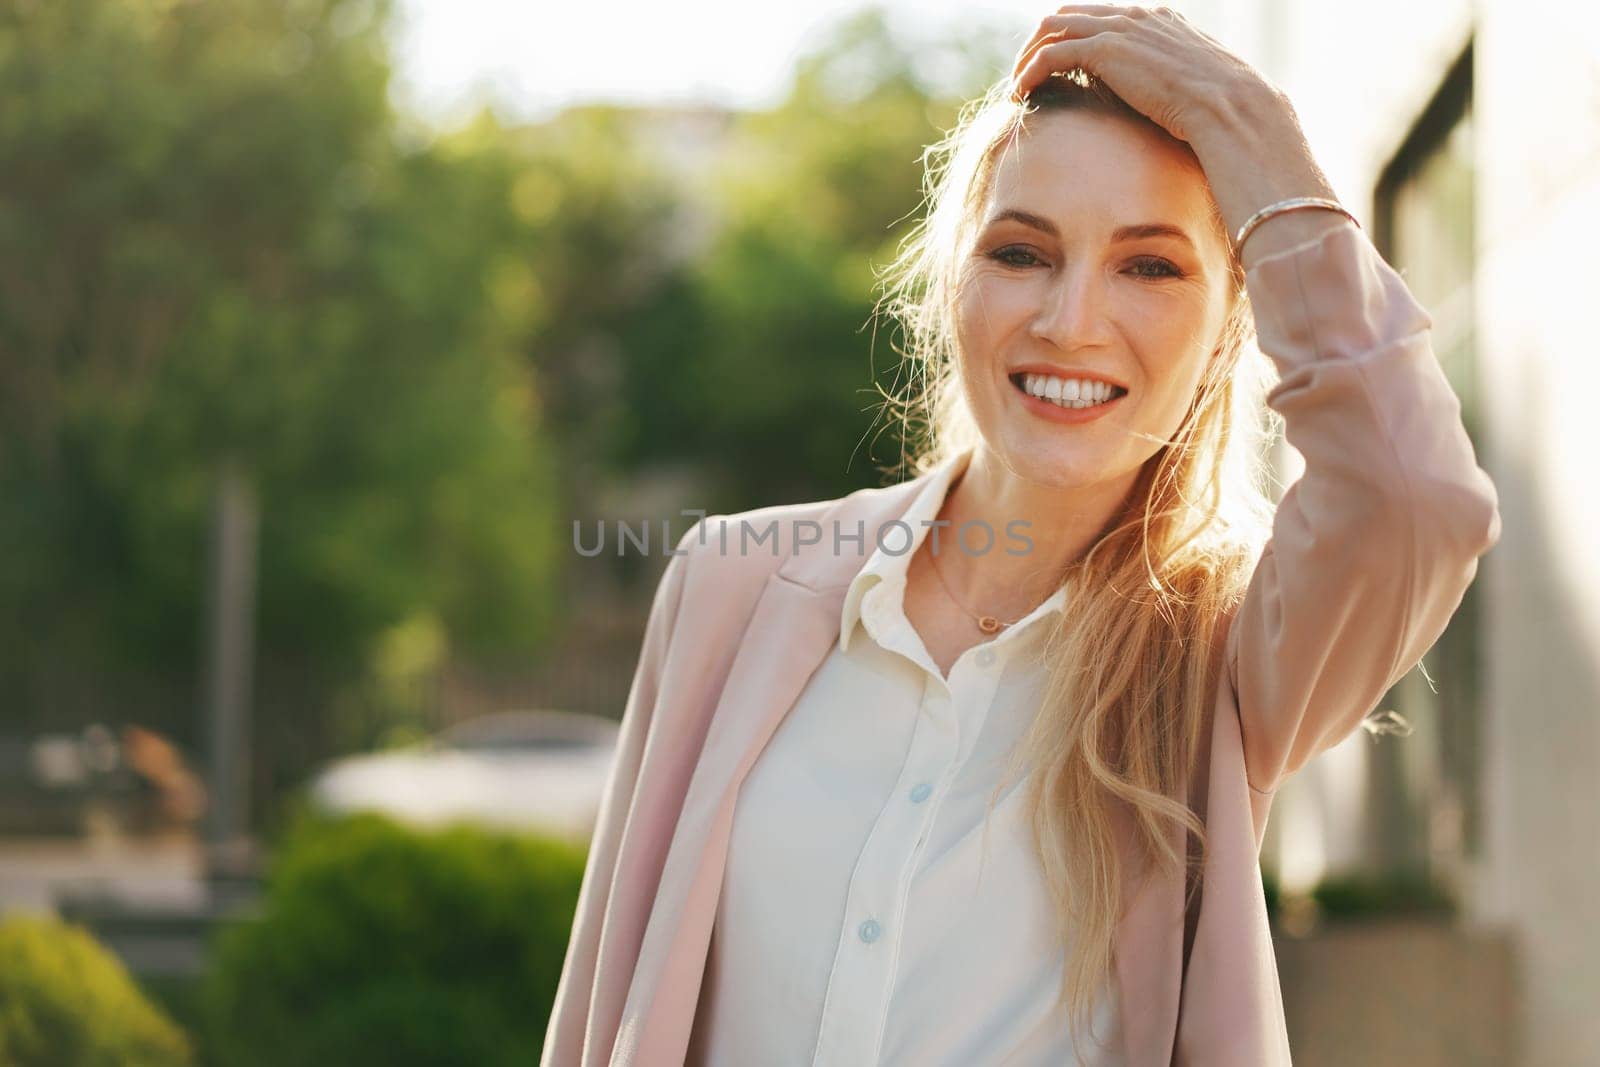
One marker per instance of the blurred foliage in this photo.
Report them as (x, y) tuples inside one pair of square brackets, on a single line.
[(214, 244), (213, 247), (763, 345), (1272, 890), (378, 944), (219, 242), (1362, 896), (65, 1001), (1368, 896)]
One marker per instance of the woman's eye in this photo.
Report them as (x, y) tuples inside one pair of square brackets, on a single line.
[(1147, 267), (1161, 268), (1007, 256)]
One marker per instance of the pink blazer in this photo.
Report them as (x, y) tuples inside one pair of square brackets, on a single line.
[(1371, 552)]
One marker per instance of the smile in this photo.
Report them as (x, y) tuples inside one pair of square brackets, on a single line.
[(1066, 400)]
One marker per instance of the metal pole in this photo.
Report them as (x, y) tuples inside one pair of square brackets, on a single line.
[(230, 645)]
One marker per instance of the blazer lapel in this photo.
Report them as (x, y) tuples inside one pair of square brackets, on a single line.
[(790, 635)]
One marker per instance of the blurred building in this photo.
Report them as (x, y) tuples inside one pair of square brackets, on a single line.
[(1467, 138)]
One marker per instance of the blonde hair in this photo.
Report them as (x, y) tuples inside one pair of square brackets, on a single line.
[(1133, 666)]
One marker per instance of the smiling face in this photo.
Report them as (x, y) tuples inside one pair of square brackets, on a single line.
[(1073, 274)]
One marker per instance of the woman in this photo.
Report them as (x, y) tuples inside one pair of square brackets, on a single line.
[(814, 847)]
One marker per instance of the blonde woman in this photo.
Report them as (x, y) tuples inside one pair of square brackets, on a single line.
[(987, 785)]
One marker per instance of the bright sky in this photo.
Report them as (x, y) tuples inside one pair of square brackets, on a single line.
[(533, 58)]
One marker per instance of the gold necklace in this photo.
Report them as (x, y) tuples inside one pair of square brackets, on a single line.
[(987, 623)]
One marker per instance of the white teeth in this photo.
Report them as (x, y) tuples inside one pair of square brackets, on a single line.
[(1067, 392)]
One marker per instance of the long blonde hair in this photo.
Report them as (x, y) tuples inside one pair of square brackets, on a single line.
[(1133, 666)]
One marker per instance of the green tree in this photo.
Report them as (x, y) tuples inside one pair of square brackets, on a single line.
[(213, 242), (763, 349)]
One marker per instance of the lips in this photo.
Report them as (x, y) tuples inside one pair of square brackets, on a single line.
[(1050, 411), (1019, 379)]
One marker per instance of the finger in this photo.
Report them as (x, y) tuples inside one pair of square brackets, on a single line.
[(1124, 10), (1098, 9), (1051, 22), (1057, 27), (1050, 57)]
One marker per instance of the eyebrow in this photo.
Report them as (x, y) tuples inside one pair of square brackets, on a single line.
[(1122, 233)]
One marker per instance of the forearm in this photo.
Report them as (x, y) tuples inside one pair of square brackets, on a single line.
[(1254, 154)]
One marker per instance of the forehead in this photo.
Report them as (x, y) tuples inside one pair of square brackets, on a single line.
[(1085, 170)]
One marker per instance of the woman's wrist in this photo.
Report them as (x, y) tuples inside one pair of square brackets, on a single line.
[(1255, 154)]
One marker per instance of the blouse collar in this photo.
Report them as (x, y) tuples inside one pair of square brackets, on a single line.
[(891, 558)]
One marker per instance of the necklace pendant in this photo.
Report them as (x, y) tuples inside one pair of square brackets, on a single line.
[(988, 624)]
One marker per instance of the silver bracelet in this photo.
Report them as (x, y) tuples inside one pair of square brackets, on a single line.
[(1294, 203)]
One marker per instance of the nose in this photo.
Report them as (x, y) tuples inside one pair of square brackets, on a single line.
[(1072, 309)]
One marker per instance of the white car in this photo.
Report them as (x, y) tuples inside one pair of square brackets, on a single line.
[(525, 770)]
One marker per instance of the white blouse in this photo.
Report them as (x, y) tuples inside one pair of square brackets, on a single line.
[(861, 920)]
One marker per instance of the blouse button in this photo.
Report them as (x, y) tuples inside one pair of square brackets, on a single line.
[(920, 793), (870, 930), (986, 657)]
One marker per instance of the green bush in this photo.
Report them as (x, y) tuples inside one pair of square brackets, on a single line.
[(65, 1001), (378, 944), (1355, 897), (1394, 895)]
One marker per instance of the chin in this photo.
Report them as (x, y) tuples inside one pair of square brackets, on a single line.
[(1049, 460)]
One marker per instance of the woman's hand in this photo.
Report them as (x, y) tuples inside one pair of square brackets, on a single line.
[(1242, 128), (1153, 58)]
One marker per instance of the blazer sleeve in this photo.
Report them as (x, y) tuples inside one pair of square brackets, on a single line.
[(569, 1016), (1372, 549)]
